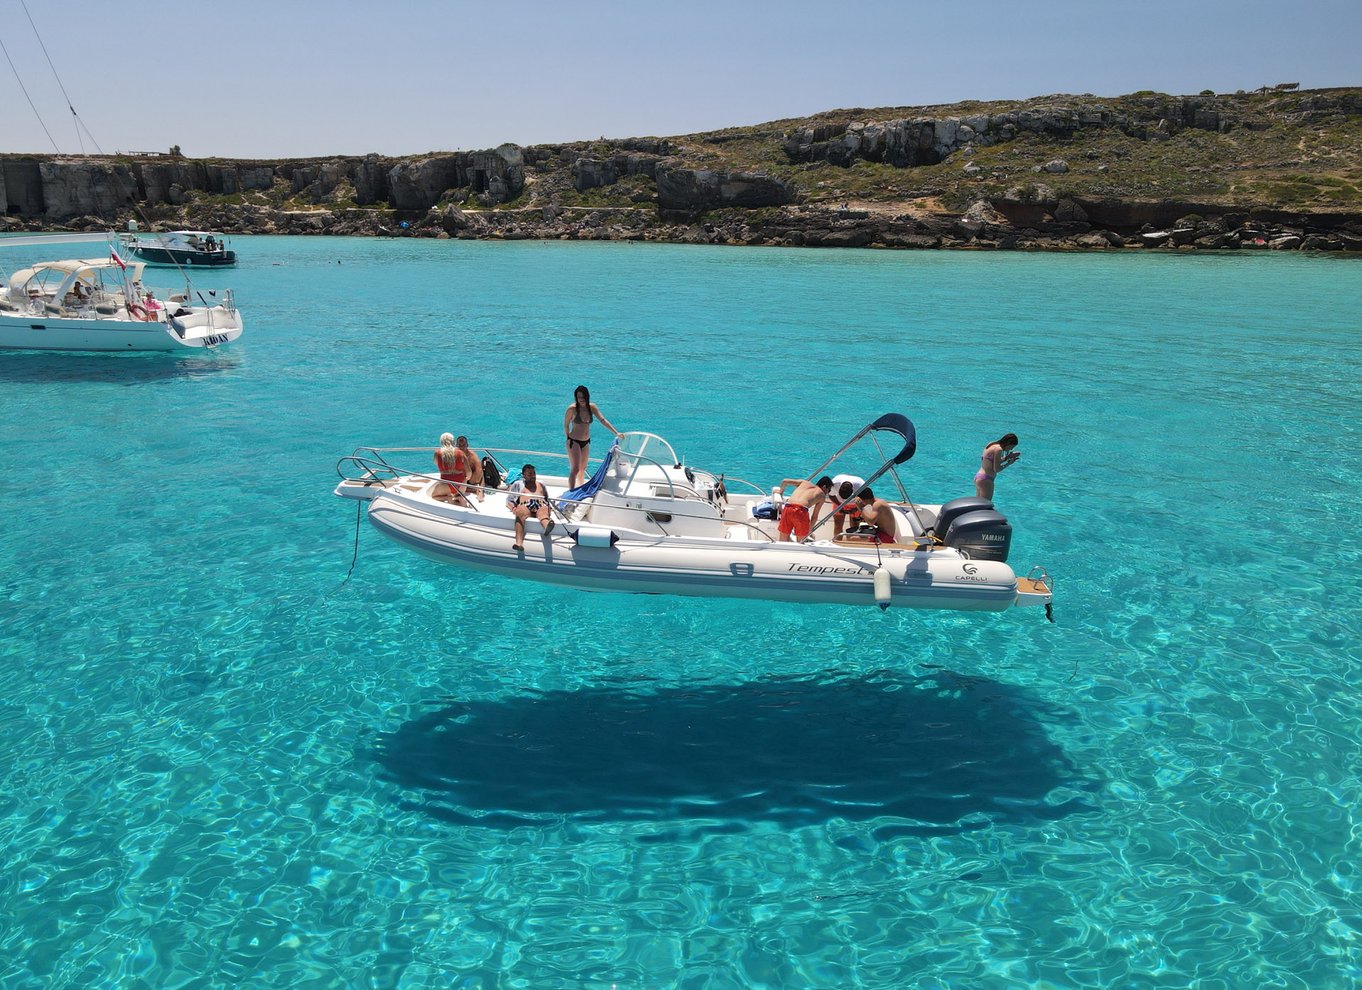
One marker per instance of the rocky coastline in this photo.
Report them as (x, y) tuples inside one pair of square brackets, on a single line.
[(1062, 173)]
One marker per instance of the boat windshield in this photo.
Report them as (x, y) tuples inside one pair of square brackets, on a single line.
[(636, 448)]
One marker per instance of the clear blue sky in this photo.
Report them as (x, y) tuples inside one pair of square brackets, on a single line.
[(293, 78)]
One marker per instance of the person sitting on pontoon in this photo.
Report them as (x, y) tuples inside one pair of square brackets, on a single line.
[(471, 459), (453, 465), (528, 497)]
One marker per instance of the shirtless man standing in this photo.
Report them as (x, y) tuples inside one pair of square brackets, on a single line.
[(795, 516)]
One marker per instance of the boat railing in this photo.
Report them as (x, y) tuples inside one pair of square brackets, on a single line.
[(376, 470), (757, 489), (369, 465), (382, 455), (753, 527), (373, 466), (639, 460)]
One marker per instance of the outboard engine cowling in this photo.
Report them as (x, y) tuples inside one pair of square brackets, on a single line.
[(983, 534), (958, 507)]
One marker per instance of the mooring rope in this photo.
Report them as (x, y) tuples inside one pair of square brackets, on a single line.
[(359, 512)]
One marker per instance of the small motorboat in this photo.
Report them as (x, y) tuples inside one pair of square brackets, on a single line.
[(647, 523), (101, 305), (180, 248)]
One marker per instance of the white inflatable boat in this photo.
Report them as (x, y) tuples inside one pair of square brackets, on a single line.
[(645, 523)]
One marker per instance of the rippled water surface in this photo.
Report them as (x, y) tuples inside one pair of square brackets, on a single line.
[(222, 766)]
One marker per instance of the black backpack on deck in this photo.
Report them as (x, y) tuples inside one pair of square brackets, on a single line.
[(491, 477)]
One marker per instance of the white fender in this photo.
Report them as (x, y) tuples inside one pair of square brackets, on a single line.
[(596, 536), (882, 593)]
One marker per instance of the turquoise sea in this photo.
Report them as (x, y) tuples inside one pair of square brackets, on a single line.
[(224, 765)]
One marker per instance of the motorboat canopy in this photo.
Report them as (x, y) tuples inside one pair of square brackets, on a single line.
[(188, 240), (888, 426)]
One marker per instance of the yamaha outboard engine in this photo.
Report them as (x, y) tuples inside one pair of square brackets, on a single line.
[(957, 507), (974, 526)]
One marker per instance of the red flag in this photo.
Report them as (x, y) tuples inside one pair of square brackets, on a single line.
[(113, 256)]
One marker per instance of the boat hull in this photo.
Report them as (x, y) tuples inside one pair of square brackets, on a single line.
[(785, 572), (57, 334), (186, 259)]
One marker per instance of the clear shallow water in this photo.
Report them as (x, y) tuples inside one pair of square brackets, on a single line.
[(221, 767)]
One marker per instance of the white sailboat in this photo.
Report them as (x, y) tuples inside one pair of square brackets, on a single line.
[(101, 304)]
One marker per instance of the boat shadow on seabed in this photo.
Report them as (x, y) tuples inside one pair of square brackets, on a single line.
[(922, 756), (26, 367)]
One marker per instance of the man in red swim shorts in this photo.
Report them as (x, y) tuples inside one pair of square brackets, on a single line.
[(794, 518)]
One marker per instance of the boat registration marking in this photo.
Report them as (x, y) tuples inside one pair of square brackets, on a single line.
[(823, 569)]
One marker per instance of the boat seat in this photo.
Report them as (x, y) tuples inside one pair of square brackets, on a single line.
[(907, 522), (906, 531), (842, 540)]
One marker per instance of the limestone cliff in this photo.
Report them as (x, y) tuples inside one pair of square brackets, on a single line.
[(57, 189), (1275, 168)]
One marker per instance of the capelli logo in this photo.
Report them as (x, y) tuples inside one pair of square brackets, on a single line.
[(969, 569)]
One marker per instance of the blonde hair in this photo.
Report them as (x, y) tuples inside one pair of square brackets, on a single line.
[(446, 452)]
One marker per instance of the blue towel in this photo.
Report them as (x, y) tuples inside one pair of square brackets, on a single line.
[(588, 487)]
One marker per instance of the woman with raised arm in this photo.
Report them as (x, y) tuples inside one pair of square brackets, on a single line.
[(577, 427)]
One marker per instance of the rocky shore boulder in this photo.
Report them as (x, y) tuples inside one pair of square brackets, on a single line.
[(72, 188), (419, 185), (930, 140), (591, 172), (21, 187), (498, 176), (688, 190)]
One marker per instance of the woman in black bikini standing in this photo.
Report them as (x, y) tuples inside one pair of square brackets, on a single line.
[(577, 426)]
